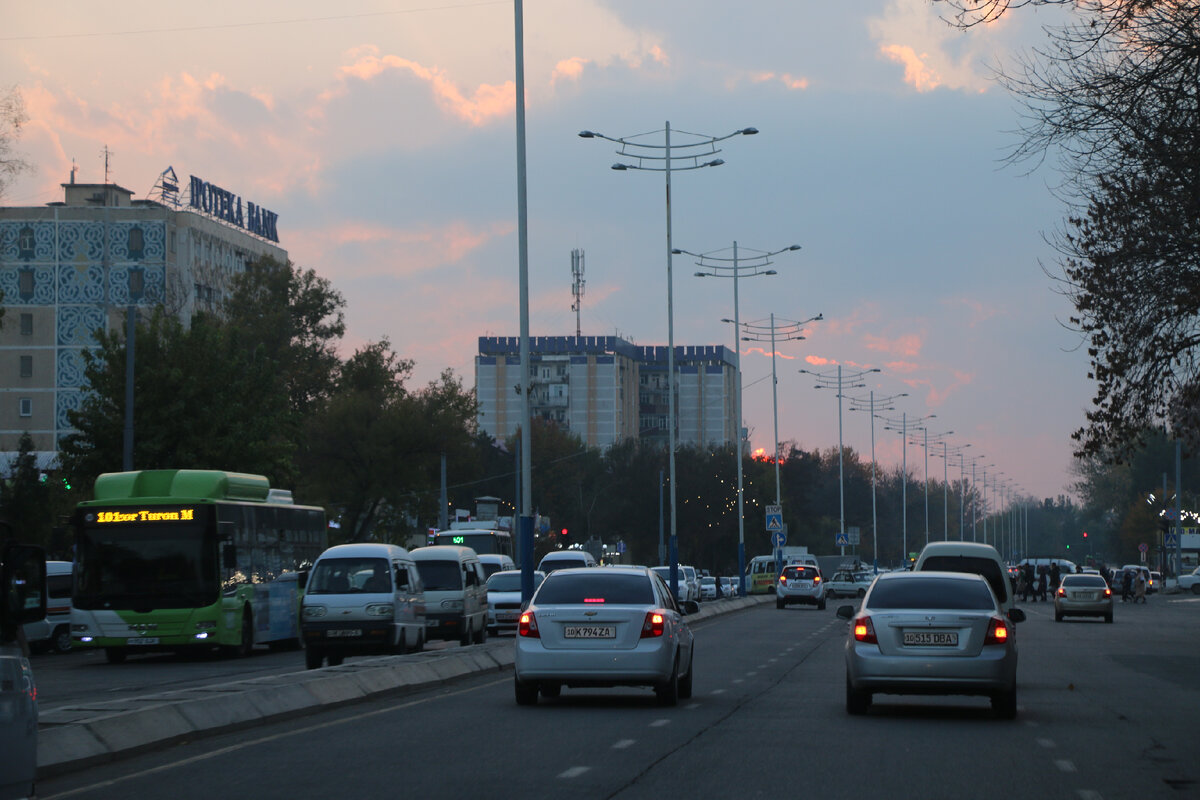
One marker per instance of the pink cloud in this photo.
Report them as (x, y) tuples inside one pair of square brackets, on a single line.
[(916, 73), (487, 101), (569, 68), (900, 367), (906, 345), (790, 81), (767, 353)]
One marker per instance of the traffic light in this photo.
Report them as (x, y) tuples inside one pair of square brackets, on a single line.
[(1085, 534), (564, 534), (1068, 545), (66, 484)]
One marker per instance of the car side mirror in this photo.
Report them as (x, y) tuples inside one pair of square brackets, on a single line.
[(845, 612), (689, 607), (1016, 615)]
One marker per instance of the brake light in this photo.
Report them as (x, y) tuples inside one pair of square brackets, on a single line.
[(653, 625), (816, 580), (528, 626), (864, 631), (1107, 592), (1062, 591), (783, 579), (997, 632)]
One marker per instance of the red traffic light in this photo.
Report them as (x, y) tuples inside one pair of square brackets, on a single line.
[(1085, 534), (564, 533)]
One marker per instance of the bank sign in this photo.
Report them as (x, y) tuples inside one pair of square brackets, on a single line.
[(227, 206)]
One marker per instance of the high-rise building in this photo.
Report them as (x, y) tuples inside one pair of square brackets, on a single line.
[(607, 390), (68, 269)]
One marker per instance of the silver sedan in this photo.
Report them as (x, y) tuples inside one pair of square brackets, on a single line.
[(1083, 596), (931, 633), (600, 628)]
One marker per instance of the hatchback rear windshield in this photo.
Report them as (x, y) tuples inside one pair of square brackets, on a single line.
[(986, 567), (800, 573), (440, 576), (1083, 580), (603, 588), (940, 594)]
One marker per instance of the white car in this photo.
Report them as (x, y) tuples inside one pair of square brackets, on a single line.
[(504, 599), (693, 580), (847, 583), (1190, 582), (708, 588), (682, 590)]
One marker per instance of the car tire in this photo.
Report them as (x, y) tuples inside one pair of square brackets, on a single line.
[(61, 640), (115, 655), (483, 633), (668, 691), (465, 639), (821, 605), (1196, 588), (313, 658), (526, 692), (550, 690), (685, 683), (336, 660), (1108, 618), (779, 602), (1058, 616), (857, 701), (1005, 704)]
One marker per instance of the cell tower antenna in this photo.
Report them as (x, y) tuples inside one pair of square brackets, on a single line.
[(107, 153), (577, 286)]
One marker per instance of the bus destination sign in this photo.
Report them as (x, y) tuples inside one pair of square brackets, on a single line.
[(146, 515)]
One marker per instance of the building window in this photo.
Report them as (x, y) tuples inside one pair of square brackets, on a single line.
[(27, 324), (137, 243), (137, 283), (171, 240), (26, 406), (26, 366), (25, 243), (25, 284)]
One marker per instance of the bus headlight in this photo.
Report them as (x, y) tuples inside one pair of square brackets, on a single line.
[(452, 605), (313, 612), (380, 610)]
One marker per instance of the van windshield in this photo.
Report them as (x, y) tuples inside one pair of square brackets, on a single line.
[(349, 576), (440, 576)]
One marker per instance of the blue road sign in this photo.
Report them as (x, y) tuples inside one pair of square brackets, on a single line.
[(774, 518), (778, 539), (1170, 540), (841, 539)]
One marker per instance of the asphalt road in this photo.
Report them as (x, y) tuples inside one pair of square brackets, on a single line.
[(1105, 711)]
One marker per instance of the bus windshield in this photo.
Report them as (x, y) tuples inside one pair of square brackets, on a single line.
[(145, 567), (480, 541)]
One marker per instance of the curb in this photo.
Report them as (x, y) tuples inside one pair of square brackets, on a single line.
[(76, 737)]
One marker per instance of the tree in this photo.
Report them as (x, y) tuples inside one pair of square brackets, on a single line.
[(1116, 94), (28, 499), (12, 117)]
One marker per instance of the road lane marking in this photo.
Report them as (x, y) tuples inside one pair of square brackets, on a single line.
[(658, 723), (1064, 765), (1046, 743), (738, 680), (573, 772), (718, 691), (623, 743), (751, 674), (1089, 794)]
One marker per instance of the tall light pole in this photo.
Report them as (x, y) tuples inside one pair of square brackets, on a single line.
[(903, 424), (937, 437), (699, 151), (786, 330), (856, 405), (715, 266), (827, 380), (948, 451)]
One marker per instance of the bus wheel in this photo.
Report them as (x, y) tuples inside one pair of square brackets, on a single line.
[(115, 655), (62, 639), (245, 646)]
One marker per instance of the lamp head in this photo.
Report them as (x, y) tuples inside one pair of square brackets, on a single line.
[(716, 162), (620, 167), (676, 251), (770, 272), (587, 135), (748, 131), (698, 274), (794, 247)]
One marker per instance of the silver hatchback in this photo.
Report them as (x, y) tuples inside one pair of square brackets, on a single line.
[(931, 633), (800, 583)]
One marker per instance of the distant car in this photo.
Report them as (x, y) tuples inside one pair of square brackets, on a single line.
[(708, 588), (847, 583), (682, 591), (1155, 582), (981, 559), (935, 633), (800, 583), (728, 587), (693, 580), (504, 599), (1190, 582), (1083, 596), (600, 628)]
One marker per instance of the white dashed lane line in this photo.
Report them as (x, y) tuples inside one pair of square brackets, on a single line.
[(658, 723), (621, 744), (573, 772), (1064, 765), (1046, 743)]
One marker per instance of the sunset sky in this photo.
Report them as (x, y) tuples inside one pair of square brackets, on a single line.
[(383, 135)]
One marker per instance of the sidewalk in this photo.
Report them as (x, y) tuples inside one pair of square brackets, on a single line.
[(73, 737)]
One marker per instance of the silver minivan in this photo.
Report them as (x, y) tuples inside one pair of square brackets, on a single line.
[(455, 593), (362, 599)]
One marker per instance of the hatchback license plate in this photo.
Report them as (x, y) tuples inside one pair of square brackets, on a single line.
[(344, 632), (589, 632), (142, 640), (930, 639)]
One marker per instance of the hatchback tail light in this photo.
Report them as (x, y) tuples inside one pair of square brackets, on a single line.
[(1107, 592), (1062, 591), (528, 626), (653, 625), (783, 579), (997, 632), (816, 580), (864, 631)]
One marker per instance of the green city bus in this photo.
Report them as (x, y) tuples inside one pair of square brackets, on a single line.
[(189, 559)]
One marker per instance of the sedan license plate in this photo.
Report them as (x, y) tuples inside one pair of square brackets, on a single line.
[(503, 617), (344, 632), (930, 639), (142, 640), (589, 632)]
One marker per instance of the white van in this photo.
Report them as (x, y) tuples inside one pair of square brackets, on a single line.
[(495, 562), (361, 599), (565, 559), (455, 593), (973, 557), (54, 632)]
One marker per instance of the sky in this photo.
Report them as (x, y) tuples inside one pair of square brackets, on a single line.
[(383, 134)]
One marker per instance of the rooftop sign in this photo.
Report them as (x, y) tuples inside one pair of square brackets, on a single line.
[(227, 206)]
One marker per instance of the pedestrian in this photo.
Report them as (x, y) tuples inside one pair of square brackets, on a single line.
[(1139, 590), (1028, 575), (1055, 577), (1126, 586), (1043, 580)]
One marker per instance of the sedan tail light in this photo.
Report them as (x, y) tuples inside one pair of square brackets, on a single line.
[(1107, 592), (864, 631), (997, 632), (653, 625), (1062, 591), (528, 626)]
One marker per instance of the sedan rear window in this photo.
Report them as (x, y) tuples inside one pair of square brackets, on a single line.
[(605, 588), (943, 594), (1083, 580)]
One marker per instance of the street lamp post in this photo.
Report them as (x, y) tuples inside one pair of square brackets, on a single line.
[(788, 330), (936, 438), (828, 381), (699, 152), (948, 451), (856, 405), (720, 267), (903, 431)]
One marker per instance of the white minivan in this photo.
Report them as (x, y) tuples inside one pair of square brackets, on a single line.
[(362, 599), (54, 632), (565, 559), (495, 562), (455, 593)]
